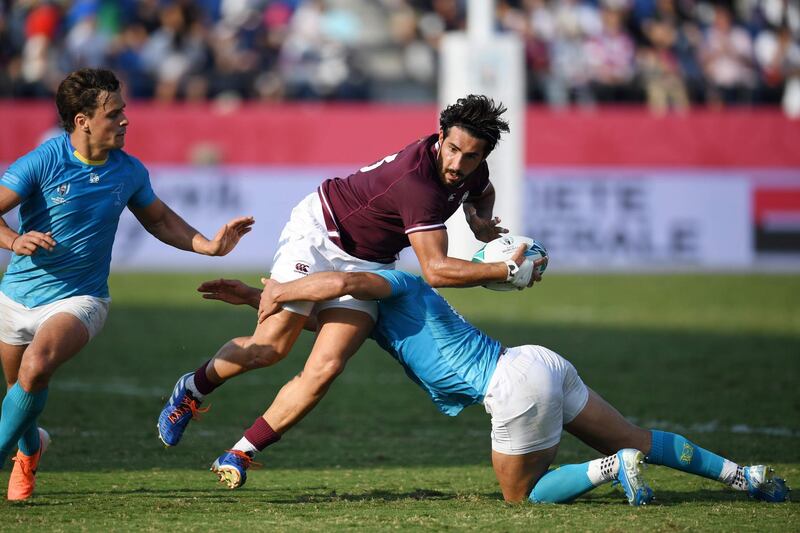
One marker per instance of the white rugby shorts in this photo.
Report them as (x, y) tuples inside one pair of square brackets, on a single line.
[(304, 248), (18, 324), (531, 395)]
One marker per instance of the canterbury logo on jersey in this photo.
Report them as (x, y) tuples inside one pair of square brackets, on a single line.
[(302, 268), (453, 197)]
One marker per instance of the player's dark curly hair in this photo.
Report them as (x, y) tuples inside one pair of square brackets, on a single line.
[(479, 116), (78, 93)]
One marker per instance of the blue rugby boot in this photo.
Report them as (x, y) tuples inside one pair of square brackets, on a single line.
[(630, 477), (231, 468), (763, 485), (178, 411)]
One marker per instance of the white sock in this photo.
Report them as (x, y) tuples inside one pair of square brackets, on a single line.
[(245, 446), (603, 470), (189, 384), (733, 475)]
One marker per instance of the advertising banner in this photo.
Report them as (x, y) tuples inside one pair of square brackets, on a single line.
[(599, 219), (208, 198), (647, 219)]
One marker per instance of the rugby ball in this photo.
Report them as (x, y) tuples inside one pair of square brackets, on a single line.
[(503, 248)]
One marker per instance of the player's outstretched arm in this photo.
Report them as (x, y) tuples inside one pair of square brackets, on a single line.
[(479, 216), (319, 287), (230, 291), (168, 227), (27, 243)]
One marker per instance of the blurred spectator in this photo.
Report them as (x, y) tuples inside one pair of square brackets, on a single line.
[(610, 58), (568, 80), (660, 68), (177, 53), (665, 52), (727, 59), (778, 58), (39, 52)]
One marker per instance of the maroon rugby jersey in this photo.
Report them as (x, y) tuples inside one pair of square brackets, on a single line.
[(369, 214)]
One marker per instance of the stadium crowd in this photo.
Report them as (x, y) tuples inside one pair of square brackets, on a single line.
[(669, 53)]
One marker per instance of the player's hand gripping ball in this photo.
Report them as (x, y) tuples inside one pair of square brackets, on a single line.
[(501, 249)]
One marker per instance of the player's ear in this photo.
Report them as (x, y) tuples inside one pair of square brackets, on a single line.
[(441, 136), (81, 122)]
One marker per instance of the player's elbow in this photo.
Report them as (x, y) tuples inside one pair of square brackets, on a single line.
[(433, 274)]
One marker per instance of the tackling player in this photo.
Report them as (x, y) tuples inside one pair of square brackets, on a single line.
[(54, 295), (360, 223), (530, 392)]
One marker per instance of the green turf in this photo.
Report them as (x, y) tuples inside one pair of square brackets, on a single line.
[(716, 357)]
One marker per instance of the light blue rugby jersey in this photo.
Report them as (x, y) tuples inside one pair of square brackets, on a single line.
[(80, 202), (443, 353)]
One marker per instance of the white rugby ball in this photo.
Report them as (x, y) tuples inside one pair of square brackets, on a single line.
[(503, 248)]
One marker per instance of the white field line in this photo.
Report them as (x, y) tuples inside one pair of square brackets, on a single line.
[(715, 426)]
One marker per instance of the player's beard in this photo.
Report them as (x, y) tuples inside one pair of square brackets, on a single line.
[(452, 178)]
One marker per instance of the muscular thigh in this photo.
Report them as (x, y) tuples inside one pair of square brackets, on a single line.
[(341, 332), (279, 331), (603, 428), (58, 339)]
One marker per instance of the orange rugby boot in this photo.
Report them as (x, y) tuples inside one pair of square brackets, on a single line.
[(23, 476)]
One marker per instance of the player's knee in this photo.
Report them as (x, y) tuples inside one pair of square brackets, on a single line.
[(325, 372), (35, 374), (636, 437)]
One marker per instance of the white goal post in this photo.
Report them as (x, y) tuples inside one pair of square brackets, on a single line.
[(481, 61)]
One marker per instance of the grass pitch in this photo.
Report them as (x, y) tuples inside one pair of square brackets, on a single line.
[(715, 357)]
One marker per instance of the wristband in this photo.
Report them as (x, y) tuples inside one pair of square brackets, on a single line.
[(513, 268), (523, 277), (12, 242)]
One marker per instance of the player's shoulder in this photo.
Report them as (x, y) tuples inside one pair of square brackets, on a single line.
[(420, 163), (43, 160), (133, 163), (54, 148)]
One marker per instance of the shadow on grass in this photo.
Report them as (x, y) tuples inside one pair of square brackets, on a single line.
[(372, 495), (51, 498), (664, 498)]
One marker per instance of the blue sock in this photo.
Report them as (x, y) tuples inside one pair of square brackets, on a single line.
[(20, 411), (29, 441), (562, 485), (676, 451)]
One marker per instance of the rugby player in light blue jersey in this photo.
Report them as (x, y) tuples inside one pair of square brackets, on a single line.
[(531, 393), (54, 297)]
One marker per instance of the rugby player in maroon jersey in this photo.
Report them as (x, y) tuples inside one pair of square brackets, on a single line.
[(360, 224)]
